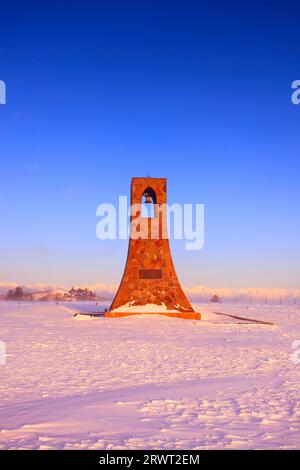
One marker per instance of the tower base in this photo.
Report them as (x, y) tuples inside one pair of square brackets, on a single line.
[(184, 315)]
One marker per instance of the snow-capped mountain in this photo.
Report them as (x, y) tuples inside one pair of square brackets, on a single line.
[(196, 294)]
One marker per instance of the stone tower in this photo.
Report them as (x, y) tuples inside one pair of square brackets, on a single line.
[(149, 283)]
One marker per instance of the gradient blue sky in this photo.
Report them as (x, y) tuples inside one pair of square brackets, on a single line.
[(198, 92)]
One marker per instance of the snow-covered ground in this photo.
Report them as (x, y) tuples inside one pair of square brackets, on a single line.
[(148, 381)]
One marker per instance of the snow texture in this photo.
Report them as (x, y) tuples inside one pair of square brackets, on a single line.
[(148, 381), (129, 307)]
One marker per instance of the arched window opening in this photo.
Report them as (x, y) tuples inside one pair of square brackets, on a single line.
[(148, 203)]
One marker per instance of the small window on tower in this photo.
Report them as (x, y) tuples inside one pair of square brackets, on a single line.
[(148, 203)]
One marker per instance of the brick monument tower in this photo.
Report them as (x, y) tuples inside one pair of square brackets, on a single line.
[(149, 283)]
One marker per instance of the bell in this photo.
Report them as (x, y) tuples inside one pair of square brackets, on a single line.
[(147, 198)]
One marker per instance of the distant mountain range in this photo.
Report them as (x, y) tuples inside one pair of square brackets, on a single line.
[(52, 292), (198, 294)]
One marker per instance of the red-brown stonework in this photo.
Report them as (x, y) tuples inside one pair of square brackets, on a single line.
[(149, 276)]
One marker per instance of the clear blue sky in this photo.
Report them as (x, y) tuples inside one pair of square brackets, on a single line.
[(198, 92)]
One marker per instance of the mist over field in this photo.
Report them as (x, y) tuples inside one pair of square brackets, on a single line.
[(195, 294)]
